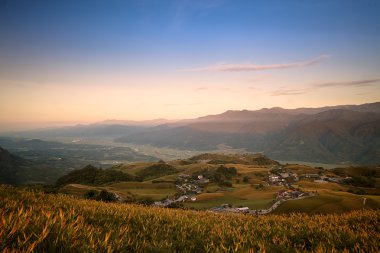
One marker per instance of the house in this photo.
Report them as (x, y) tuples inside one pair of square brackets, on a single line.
[(274, 178), (285, 175), (243, 209), (311, 176), (204, 180), (165, 202)]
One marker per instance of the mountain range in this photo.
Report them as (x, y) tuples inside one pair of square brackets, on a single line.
[(341, 134), (337, 134)]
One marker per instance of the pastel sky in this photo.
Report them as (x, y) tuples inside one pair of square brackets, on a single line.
[(76, 61)]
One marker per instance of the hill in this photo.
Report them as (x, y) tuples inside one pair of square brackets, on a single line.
[(247, 159), (9, 167), (17, 170), (91, 175), (39, 222)]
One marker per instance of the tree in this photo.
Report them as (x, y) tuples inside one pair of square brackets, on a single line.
[(106, 196)]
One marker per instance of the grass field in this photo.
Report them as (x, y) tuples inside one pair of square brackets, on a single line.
[(37, 222), (310, 164), (314, 186), (328, 201), (240, 195), (136, 190)]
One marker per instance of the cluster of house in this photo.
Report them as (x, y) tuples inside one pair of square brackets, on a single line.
[(292, 194), (227, 208), (188, 186), (169, 201), (282, 196), (338, 180), (282, 178)]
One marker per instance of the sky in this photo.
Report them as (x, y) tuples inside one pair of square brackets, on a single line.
[(82, 61)]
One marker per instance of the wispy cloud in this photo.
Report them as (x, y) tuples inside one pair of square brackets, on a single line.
[(287, 92), (253, 67), (359, 83), (284, 91), (201, 89)]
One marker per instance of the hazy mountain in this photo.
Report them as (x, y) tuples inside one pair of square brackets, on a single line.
[(348, 133), (151, 123), (100, 130)]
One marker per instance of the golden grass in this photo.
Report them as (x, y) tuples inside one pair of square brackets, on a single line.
[(249, 192), (35, 222), (329, 201), (208, 196), (310, 185)]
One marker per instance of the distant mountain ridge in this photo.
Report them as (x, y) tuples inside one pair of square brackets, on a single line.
[(348, 133)]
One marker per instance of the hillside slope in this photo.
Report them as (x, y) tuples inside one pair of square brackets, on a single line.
[(335, 135)]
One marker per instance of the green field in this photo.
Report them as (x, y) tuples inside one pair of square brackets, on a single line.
[(239, 195), (145, 190), (136, 190), (329, 201)]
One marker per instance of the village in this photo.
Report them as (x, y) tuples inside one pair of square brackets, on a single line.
[(189, 186)]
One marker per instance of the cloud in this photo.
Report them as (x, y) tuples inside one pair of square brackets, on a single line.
[(287, 92), (358, 83), (253, 67), (283, 91), (201, 88)]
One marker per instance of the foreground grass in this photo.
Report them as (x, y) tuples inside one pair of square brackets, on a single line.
[(35, 222)]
